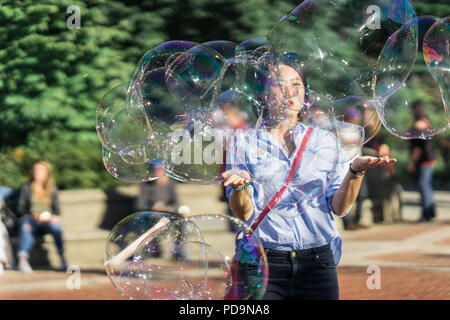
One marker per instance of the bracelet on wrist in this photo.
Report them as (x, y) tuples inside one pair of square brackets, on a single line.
[(243, 187), (357, 174)]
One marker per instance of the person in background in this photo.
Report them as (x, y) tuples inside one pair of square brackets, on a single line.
[(422, 162), (6, 255), (384, 191), (160, 195), (38, 209)]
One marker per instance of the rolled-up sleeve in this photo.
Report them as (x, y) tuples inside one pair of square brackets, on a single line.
[(341, 172)]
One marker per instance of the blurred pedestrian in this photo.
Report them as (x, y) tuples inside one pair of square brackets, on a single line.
[(383, 190), (160, 195), (6, 254), (38, 208), (422, 161)]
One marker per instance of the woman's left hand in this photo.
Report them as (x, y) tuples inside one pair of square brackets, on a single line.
[(367, 162)]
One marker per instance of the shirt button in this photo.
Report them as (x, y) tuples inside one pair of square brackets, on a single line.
[(293, 254)]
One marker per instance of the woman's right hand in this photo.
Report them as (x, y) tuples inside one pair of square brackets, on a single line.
[(236, 178), (240, 202)]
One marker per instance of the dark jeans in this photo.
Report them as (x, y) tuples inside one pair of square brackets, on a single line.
[(29, 228), (302, 275), (425, 184)]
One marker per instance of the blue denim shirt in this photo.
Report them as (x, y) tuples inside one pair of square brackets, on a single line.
[(303, 218)]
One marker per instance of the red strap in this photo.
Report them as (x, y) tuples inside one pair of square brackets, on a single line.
[(294, 166)]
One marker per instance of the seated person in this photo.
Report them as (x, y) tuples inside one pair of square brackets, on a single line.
[(38, 208)]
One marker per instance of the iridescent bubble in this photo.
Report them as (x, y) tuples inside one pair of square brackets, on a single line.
[(220, 265), (127, 273), (190, 75), (437, 55), (118, 130), (159, 57), (398, 57), (353, 115), (196, 148), (187, 139), (351, 33), (161, 110), (226, 49), (400, 111), (126, 170), (256, 47), (246, 83), (234, 109)]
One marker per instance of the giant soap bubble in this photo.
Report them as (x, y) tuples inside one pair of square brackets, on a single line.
[(160, 256), (436, 53), (128, 274), (191, 74), (159, 57), (349, 33), (353, 115), (116, 127), (405, 113)]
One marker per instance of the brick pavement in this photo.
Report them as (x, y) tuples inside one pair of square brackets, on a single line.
[(396, 284)]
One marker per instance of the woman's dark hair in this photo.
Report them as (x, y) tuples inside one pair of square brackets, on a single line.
[(292, 60), (418, 109)]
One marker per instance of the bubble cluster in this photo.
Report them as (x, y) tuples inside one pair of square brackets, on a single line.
[(158, 256), (186, 101)]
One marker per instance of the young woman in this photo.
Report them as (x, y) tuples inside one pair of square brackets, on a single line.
[(39, 210), (302, 244)]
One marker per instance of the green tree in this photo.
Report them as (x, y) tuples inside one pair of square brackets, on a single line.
[(52, 78)]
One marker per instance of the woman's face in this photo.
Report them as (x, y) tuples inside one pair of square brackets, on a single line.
[(40, 173), (289, 93)]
